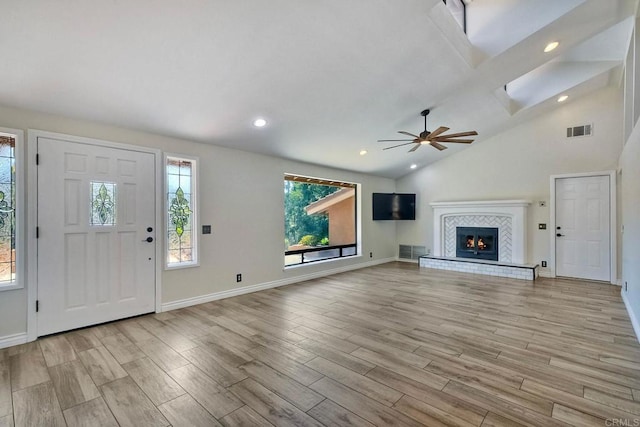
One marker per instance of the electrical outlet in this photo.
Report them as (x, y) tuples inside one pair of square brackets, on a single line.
[(544, 263), (206, 229), (370, 254), (542, 226), (238, 277)]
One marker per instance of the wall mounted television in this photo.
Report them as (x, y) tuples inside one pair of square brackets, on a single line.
[(394, 206)]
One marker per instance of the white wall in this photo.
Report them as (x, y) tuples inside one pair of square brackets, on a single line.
[(241, 196), (517, 164), (630, 194)]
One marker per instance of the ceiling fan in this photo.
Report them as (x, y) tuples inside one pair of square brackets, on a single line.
[(431, 138)]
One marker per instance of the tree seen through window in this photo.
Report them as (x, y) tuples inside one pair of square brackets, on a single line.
[(319, 219)]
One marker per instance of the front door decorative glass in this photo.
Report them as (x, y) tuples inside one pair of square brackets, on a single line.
[(103, 203)]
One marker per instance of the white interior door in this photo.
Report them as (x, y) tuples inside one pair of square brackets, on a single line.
[(96, 223), (583, 227)]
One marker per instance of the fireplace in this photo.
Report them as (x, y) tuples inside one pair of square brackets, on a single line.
[(477, 242), (508, 216)]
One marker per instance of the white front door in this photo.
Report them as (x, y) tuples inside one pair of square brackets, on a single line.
[(582, 227), (97, 230)]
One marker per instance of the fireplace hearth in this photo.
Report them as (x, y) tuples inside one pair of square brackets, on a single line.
[(477, 243)]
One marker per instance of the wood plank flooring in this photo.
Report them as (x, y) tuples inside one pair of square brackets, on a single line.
[(391, 345)]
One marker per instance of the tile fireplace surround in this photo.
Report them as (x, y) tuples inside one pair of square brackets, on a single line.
[(509, 216)]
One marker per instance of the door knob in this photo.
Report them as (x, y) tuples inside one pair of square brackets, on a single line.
[(148, 239), (559, 235)]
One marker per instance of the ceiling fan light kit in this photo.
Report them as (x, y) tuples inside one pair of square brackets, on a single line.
[(431, 138)]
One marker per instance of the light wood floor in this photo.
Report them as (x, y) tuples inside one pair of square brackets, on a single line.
[(388, 345)]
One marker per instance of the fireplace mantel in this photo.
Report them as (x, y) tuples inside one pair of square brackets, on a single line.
[(482, 203), (510, 216)]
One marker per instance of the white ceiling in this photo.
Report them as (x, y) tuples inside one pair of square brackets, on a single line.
[(331, 76)]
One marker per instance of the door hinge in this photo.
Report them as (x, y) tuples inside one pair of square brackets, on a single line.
[(37, 159), (37, 232), (37, 306)]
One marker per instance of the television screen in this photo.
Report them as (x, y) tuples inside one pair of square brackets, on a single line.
[(394, 206)]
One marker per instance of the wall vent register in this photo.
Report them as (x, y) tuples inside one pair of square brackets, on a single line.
[(582, 130), (411, 252)]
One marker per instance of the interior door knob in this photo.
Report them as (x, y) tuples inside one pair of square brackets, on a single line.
[(148, 239), (559, 235)]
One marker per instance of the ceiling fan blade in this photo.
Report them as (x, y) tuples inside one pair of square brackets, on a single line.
[(396, 146), (408, 134), (436, 132), (454, 135), (460, 141), (394, 140), (415, 148), (437, 146)]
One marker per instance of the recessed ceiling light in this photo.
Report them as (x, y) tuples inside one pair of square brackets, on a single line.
[(363, 152), (563, 98), (551, 46), (413, 166), (259, 123)]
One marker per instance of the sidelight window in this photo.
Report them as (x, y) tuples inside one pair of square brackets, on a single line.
[(10, 210), (181, 212)]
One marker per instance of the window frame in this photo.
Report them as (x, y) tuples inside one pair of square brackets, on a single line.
[(195, 195), (20, 212), (462, 24), (357, 245)]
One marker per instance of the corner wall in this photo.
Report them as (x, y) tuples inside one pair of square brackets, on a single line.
[(630, 185), (241, 196), (517, 164)]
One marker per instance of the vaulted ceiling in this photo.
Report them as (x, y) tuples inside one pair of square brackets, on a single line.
[(330, 77)]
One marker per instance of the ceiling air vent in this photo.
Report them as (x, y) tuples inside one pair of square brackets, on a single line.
[(583, 130)]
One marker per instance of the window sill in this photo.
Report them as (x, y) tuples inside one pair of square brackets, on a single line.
[(324, 261), (181, 266), (11, 287)]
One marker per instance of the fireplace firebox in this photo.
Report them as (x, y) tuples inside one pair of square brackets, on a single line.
[(477, 242)]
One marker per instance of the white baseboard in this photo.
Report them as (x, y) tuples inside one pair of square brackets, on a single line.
[(414, 261), (11, 340), (549, 275), (187, 302), (632, 315)]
